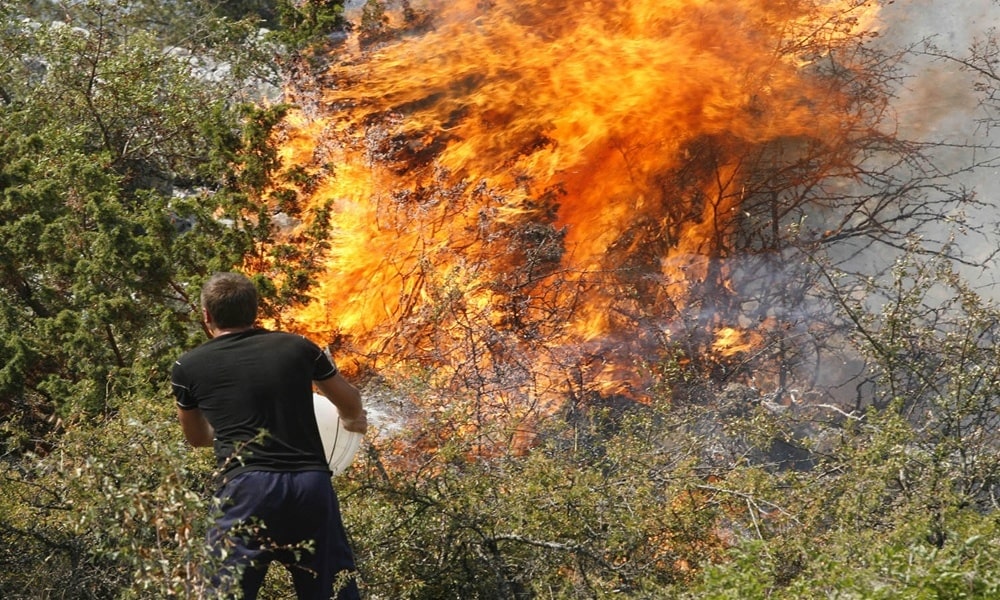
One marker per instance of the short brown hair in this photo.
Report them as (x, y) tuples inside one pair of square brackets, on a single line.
[(230, 299)]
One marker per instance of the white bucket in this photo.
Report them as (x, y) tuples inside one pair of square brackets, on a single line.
[(339, 444)]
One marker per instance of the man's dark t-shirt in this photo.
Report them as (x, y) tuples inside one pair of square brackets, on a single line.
[(255, 388)]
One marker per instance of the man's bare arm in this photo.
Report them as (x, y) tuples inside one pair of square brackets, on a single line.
[(196, 428), (347, 399)]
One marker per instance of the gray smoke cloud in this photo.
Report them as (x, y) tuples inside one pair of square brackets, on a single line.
[(939, 103)]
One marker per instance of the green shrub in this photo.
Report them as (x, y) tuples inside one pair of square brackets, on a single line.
[(117, 509)]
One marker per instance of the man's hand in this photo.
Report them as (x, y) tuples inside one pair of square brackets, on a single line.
[(358, 424), (347, 399)]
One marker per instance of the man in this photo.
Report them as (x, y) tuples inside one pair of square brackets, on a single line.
[(249, 393)]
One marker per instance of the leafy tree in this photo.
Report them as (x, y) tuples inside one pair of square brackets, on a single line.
[(126, 175), (131, 167)]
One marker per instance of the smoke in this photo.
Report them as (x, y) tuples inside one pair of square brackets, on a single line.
[(939, 98), (940, 104)]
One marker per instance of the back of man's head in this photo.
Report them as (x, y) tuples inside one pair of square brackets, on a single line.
[(230, 299)]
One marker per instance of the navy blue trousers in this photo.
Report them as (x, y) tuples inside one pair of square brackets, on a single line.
[(291, 518)]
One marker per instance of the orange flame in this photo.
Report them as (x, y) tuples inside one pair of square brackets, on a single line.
[(525, 183), (730, 341)]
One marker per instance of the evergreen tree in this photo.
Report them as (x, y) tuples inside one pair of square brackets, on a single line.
[(130, 168)]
